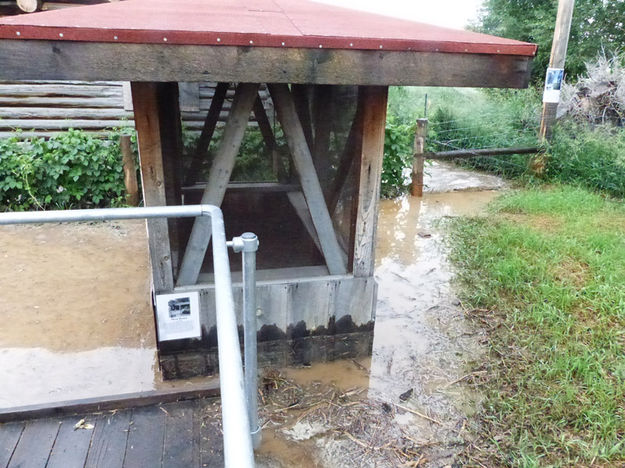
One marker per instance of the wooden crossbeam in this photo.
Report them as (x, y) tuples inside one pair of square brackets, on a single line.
[(302, 158), (372, 101), (212, 117), (218, 179)]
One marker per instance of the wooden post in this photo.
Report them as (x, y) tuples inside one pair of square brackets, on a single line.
[(557, 60), (218, 179), (171, 145), (302, 158), (147, 123), (373, 100), (416, 186), (130, 171)]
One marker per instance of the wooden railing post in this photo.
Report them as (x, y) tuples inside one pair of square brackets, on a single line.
[(416, 186), (130, 171)]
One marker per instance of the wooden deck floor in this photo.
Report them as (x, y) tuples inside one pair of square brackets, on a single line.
[(182, 434)]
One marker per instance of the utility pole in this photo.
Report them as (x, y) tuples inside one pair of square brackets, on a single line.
[(556, 67)]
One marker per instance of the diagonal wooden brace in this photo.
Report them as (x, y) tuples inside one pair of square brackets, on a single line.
[(302, 158), (218, 179)]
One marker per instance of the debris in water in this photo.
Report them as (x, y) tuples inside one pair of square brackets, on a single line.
[(406, 395)]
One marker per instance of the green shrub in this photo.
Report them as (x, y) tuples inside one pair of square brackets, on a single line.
[(589, 157), (398, 151), (71, 170)]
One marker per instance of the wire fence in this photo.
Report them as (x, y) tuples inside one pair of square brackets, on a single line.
[(486, 131)]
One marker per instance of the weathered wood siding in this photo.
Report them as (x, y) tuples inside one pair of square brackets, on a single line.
[(45, 108)]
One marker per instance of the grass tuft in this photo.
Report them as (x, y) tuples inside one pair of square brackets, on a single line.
[(553, 292)]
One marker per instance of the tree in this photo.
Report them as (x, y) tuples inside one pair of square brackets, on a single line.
[(598, 26)]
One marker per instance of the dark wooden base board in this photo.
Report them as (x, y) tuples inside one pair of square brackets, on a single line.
[(107, 403), (277, 353)]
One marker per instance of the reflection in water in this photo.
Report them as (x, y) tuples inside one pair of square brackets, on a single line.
[(419, 329), (422, 345)]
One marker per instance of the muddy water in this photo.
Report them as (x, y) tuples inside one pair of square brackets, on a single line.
[(422, 346), (76, 315)]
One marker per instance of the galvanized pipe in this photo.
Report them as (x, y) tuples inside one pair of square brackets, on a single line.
[(247, 244), (238, 451), (62, 216)]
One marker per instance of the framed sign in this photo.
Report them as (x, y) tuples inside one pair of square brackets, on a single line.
[(553, 84), (178, 316)]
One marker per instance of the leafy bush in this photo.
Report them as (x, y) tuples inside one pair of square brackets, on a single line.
[(398, 151), (589, 157), (71, 170)]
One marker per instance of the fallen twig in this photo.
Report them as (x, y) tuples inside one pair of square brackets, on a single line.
[(421, 415)]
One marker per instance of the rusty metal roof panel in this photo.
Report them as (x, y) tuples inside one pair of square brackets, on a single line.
[(253, 23)]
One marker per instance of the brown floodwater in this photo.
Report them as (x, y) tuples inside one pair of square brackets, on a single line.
[(423, 344)]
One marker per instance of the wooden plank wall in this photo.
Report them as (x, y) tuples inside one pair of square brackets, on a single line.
[(45, 108)]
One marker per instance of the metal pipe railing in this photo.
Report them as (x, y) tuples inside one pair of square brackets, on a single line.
[(247, 244), (238, 451)]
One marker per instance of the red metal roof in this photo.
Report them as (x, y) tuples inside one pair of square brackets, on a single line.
[(256, 23)]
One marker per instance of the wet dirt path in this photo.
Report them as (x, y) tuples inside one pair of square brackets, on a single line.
[(76, 316), (408, 403)]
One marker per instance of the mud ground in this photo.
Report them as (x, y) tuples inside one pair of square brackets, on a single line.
[(76, 312)]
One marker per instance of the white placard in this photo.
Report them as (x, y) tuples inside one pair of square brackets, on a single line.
[(553, 84), (178, 316)]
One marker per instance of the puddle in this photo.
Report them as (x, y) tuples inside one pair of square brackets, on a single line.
[(414, 406), (76, 311)]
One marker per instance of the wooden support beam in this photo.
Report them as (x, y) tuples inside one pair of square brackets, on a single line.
[(264, 125), (322, 113), (472, 153), (221, 169), (373, 100), (147, 123), (301, 99), (300, 152), (56, 60), (217, 103), (171, 144)]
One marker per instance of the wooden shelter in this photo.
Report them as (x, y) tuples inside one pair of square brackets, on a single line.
[(327, 70)]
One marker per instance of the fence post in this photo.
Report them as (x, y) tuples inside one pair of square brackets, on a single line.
[(130, 171), (416, 186)]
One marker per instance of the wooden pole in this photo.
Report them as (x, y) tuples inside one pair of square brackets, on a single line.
[(557, 60), (130, 171), (416, 186), (373, 102), (145, 98)]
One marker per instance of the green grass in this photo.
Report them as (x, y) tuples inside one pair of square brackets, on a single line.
[(546, 271)]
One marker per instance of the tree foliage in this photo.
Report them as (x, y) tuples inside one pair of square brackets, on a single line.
[(597, 26)]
